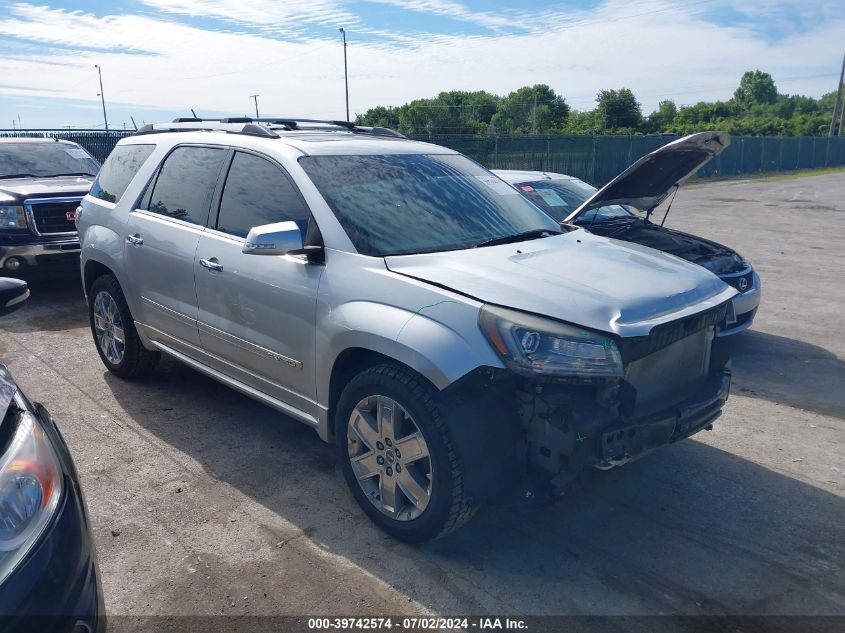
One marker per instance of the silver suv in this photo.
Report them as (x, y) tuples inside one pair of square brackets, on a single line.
[(454, 341)]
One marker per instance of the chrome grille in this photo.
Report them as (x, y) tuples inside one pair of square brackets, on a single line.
[(49, 216)]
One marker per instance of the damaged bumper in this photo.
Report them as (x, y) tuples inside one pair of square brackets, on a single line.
[(628, 439)]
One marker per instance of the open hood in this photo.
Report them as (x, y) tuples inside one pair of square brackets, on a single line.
[(648, 182)]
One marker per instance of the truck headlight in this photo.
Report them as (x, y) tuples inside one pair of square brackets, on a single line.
[(12, 218), (532, 345), (30, 489)]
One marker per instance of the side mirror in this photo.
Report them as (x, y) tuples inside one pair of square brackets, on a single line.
[(13, 294), (273, 239)]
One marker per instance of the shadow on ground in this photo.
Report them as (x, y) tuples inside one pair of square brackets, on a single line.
[(690, 529), (790, 372)]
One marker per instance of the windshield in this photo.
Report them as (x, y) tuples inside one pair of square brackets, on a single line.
[(420, 203), (559, 198), (44, 159)]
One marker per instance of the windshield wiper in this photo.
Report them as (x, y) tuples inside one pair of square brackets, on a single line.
[(519, 237), (4, 176), (75, 173)]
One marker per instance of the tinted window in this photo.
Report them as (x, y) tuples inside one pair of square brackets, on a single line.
[(119, 170), (559, 198), (256, 193), (186, 182), (45, 159), (395, 204)]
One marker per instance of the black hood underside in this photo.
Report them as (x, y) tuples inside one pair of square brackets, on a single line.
[(716, 258)]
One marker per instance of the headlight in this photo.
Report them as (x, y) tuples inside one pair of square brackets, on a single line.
[(12, 218), (30, 489), (532, 345)]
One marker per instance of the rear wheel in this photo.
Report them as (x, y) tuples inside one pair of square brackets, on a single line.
[(397, 456), (114, 331)]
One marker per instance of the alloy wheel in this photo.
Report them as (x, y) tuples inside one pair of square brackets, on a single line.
[(108, 327), (389, 457)]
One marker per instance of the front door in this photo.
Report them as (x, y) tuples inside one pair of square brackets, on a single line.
[(162, 240), (257, 312)]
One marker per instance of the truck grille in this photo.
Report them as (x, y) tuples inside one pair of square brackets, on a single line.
[(49, 216)]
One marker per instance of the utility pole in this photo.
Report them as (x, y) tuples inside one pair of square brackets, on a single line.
[(345, 72), (534, 116), (135, 125), (254, 98), (836, 104), (102, 97)]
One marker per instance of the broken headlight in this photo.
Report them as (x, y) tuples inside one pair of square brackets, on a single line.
[(532, 345)]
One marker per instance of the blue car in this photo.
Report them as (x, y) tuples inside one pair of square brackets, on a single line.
[(49, 579)]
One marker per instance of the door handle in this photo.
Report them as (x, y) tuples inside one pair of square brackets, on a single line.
[(135, 240), (211, 264)]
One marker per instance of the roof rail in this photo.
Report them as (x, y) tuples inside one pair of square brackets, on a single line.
[(262, 126), (204, 125)]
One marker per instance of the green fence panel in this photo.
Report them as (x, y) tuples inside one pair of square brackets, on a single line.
[(595, 159)]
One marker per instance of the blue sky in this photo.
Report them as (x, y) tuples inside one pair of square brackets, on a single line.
[(162, 57)]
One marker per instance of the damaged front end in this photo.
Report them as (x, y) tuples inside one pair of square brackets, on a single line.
[(669, 385)]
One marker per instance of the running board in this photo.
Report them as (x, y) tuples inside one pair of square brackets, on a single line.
[(237, 385)]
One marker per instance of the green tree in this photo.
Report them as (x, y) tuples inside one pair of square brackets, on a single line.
[(662, 118), (379, 116), (530, 109), (619, 109), (755, 88)]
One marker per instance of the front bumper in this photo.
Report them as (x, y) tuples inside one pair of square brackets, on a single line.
[(44, 256), (744, 309), (629, 439), (56, 587)]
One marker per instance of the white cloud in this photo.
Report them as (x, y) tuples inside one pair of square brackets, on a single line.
[(657, 49)]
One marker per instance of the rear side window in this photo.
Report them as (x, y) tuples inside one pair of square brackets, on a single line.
[(119, 170), (186, 182), (257, 192)]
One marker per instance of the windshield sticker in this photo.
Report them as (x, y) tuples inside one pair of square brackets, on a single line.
[(75, 152), (551, 198), (526, 187), (498, 185)]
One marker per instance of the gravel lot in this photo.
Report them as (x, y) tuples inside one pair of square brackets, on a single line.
[(226, 507)]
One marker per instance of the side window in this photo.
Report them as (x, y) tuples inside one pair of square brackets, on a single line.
[(119, 170), (257, 192), (186, 183)]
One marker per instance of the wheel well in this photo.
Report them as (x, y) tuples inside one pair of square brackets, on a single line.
[(348, 364), (93, 270)]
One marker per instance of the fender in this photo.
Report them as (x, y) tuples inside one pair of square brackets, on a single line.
[(427, 340), (103, 245)]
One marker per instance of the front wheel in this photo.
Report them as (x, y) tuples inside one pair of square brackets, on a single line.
[(114, 331), (397, 456)]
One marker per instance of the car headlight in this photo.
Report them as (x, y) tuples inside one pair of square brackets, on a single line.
[(12, 218), (30, 489), (532, 345)]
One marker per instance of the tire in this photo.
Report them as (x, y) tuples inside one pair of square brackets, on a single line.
[(414, 402), (108, 312)]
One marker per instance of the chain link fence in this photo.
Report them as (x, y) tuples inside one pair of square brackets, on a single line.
[(595, 159)]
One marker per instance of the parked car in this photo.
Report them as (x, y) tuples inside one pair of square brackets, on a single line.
[(48, 572), (42, 181), (612, 212), (452, 339)]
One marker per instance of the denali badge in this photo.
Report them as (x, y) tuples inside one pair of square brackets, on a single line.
[(743, 284)]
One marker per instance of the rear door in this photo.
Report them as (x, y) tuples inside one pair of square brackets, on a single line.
[(162, 238), (257, 312)]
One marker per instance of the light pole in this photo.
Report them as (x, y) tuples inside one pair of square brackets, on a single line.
[(345, 72), (255, 98), (102, 97)]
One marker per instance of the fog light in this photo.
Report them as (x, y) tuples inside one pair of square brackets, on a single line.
[(13, 263)]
